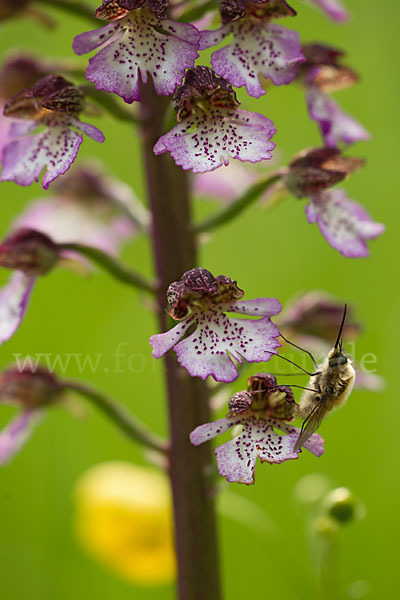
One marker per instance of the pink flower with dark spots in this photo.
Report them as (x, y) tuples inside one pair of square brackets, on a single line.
[(33, 392), (201, 302), (345, 224), (321, 74), (257, 413), (212, 129), (52, 105), (259, 47), (135, 44)]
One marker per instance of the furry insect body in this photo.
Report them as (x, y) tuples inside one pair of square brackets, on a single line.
[(332, 383)]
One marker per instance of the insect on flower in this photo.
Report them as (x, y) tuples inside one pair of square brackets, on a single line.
[(332, 384)]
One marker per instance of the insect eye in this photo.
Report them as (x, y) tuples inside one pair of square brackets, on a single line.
[(335, 361)]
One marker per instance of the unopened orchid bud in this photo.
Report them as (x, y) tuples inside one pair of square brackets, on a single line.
[(317, 169), (29, 251), (318, 314), (30, 389), (343, 506)]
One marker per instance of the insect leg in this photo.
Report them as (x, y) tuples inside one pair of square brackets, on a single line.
[(300, 348)]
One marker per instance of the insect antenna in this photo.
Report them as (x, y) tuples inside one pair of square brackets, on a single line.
[(300, 348), (339, 341), (293, 363)]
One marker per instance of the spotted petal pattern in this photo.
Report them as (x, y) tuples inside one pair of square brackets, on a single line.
[(333, 8), (16, 434), (217, 338), (345, 224), (335, 125), (54, 149), (206, 140), (257, 49), (236, 458), (134, 46), (14, 298)]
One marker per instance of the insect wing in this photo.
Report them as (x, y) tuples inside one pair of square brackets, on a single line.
[(311, 424)]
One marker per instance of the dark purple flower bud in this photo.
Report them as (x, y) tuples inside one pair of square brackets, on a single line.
[(198, 284), (317, 169), (203, 86), (323, 70), (52, 92), (264, 10), (27, 388), (199, 281), (29, 251), (240, 403), (111, 10), (232, 10)]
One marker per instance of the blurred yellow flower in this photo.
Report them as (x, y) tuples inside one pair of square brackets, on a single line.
[(124, 519)]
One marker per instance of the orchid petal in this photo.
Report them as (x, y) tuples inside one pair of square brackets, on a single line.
[(345, 224), (205, 352), (208, 431), (257, 49), (143, 44), (14, 299), (205, 141), (15, 435), (162, 342), (335, 125)]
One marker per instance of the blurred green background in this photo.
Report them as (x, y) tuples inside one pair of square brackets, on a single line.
[(272, 253)]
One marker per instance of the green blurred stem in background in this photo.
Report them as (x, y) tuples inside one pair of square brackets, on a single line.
[(326, 571), (118, 415), (80, 9), (227, 213), (174, 248), (112, 265)]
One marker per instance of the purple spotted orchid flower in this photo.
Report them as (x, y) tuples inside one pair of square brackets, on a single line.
[(33, 392), (200, 302), (138, 41), (321, 74), (52, 103), (87, 207), (30, 254), (258, 412), (333, 9), (345, 224), (211, 129), (18, 72), (259, 47)]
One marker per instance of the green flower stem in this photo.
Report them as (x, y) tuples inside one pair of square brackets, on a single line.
[(118, 415), (109, 103), (191, 468), (80, 9), (326, 574), (196, 12), (232, 210), (112, 265)]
